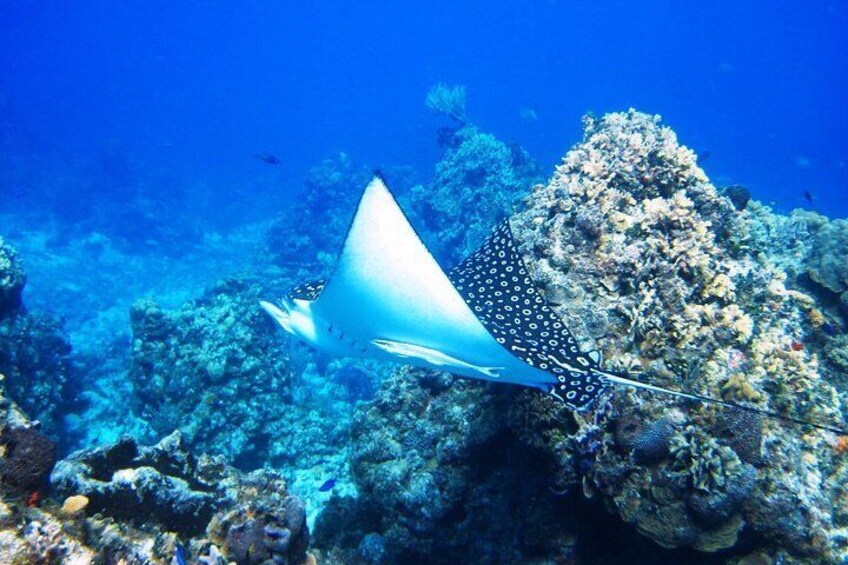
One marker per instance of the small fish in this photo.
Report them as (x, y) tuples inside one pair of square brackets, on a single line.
[(808, 196), (797, 345), (180, 554), (268, 158), (829, 329), (704, 155), (327, 486), (529, 113)]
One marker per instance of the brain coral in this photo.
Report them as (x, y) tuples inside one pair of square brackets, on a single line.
[(650, 264)]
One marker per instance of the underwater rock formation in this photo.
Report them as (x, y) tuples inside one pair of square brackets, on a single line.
[(162, 484), (250, 517), (126, 503), (440, 476), (647, 263), (219, 370), (33, 348), (194, 368)]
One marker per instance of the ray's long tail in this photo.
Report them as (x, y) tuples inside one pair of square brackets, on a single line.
[(621, 379)]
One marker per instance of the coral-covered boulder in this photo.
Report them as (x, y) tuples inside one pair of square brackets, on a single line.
[(12, 280), (33, 349), (161, 484), (441, 477), (648, 263), (216, 362)]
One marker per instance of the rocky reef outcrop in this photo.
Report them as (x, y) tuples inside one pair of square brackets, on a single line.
[(648, 263), (33, 348), (440, 474), (219, 370), (139, 504), (193, 368)]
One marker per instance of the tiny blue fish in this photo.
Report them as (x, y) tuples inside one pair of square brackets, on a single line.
[(829, 329), (328, 485), (268, 158), (180, 554)]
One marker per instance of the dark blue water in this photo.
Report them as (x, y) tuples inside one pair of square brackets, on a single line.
[(191, 90)]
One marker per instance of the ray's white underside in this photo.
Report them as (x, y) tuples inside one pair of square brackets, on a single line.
[(389, 298)]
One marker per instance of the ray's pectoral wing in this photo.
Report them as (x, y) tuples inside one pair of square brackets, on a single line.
[(496, 285), (386, 286)]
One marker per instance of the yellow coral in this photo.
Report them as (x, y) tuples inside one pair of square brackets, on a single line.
[(74, 504), (734, 318), (737, 387), (816, 318), (720, 287)]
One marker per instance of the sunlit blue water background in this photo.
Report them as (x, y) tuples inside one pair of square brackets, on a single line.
[(191, 90)]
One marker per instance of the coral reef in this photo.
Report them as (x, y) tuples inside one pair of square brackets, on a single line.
[(645, 260), (218, 370), (431, 458), (126, 503), (651, 265), (162, 484), (33, 348)]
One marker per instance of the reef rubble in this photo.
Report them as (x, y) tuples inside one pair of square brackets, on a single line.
[(126, 503)]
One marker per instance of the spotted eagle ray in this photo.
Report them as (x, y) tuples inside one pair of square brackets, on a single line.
[(388, 298)]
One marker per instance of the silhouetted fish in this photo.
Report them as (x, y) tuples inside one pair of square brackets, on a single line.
[(739, 195), (808, 196), (268, 158), (327, 486), (529, 113)]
